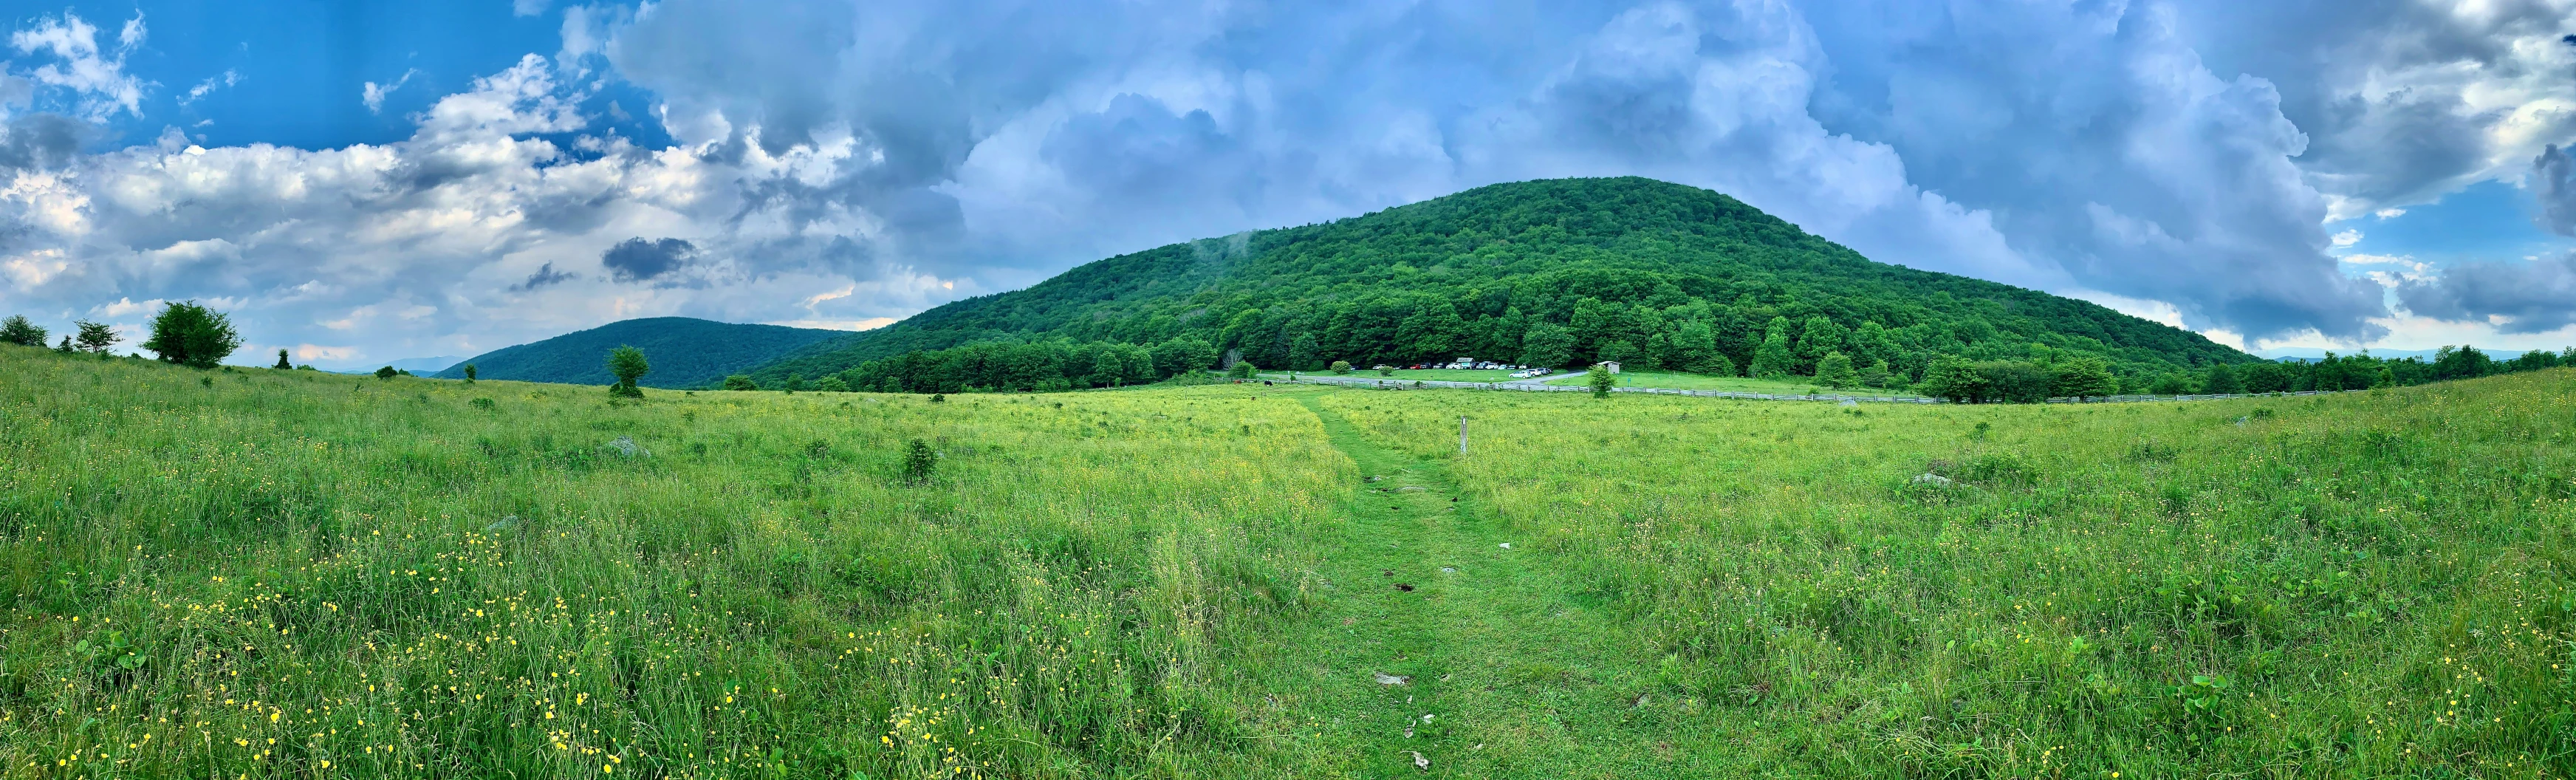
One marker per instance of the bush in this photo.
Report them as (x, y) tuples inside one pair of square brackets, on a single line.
[(740, 382), (192, 335), (918, 462), (1834, 370), (22, 332), (831, 384), (469, 372), (1341, 366), (1601, 381), (283, 364), (387, 372), (1243, 369)]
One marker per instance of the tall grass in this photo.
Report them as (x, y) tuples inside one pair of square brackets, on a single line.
[(2355, 586), (283, 574), (269, 574)]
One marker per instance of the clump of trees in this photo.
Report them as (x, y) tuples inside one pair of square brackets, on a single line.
[(1026, 366), (21, 331), (2084, 376)]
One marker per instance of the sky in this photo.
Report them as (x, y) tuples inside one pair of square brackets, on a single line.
[(359, 183)]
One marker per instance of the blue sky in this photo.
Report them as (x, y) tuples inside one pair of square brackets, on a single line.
[(362, 182)]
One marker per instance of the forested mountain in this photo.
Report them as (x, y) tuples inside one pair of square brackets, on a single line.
[(1558, 272), (685, 352)]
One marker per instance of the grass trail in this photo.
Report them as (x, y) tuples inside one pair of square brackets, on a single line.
[(1521, 678)]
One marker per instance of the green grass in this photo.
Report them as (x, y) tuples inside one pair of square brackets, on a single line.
[(1681, 381), (1199, 582)]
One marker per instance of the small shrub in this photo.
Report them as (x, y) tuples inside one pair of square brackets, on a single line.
[(1341, 366), (484, 404), (918, 462), (938, 398), (387, 372)]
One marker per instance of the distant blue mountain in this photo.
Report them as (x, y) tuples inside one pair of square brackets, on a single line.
[(2313, 354), (684, 352)]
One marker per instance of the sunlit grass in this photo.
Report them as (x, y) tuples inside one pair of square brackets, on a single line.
[(259, 573)]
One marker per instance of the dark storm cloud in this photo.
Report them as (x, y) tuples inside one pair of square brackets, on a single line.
[(2533, 297), (545, 275), (42, 141), (637, 260), (2553, 181)]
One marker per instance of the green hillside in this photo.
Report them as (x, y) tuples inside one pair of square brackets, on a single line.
[(685, 352), (1644, 271)]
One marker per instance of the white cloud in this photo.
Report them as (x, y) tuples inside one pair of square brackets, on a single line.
[(2346, 238), (99, 83), (230, 77), (373, 94)]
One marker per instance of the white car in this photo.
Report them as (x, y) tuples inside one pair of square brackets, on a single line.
[(1520, 375)]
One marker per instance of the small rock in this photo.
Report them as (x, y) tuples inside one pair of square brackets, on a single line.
[(1448, 569), (1426, 718), (1408, 731), (1419, 762), (502, 525), (1932, 479), (1507, 545), (625, 445), (1391, 679)]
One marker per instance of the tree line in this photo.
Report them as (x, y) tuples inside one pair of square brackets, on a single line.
[(2035, 380)]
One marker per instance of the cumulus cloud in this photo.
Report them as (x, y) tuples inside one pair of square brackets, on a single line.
[(2530, 297), (2403, 100), (469, 235), (907, 152)]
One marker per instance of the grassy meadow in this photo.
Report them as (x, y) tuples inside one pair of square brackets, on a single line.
[(265, 574), (1677, 380)]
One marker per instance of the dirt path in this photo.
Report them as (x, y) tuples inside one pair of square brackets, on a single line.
[(1518, 678)]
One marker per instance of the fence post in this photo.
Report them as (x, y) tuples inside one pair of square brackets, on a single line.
[(1462, 434)]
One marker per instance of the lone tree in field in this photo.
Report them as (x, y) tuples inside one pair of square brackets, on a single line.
[(628, 364), (18, 330), (192, 335), (283, 364), (1601, 380), (387, 372), (740, 382), (65, 347), (98, 338), (469, 373)]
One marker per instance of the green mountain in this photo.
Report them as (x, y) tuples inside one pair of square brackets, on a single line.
[(685, 352), (1562, 272)]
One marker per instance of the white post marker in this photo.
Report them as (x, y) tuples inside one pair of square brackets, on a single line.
[(1462, 434)]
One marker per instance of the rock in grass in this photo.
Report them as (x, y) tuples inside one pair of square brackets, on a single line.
[(1507, 545), (1419, 762), (1932, 479), (503, 525), (625, 445), (1409, 489), (1391, 679)]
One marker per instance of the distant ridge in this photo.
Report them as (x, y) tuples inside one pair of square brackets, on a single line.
[(685, 352)]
